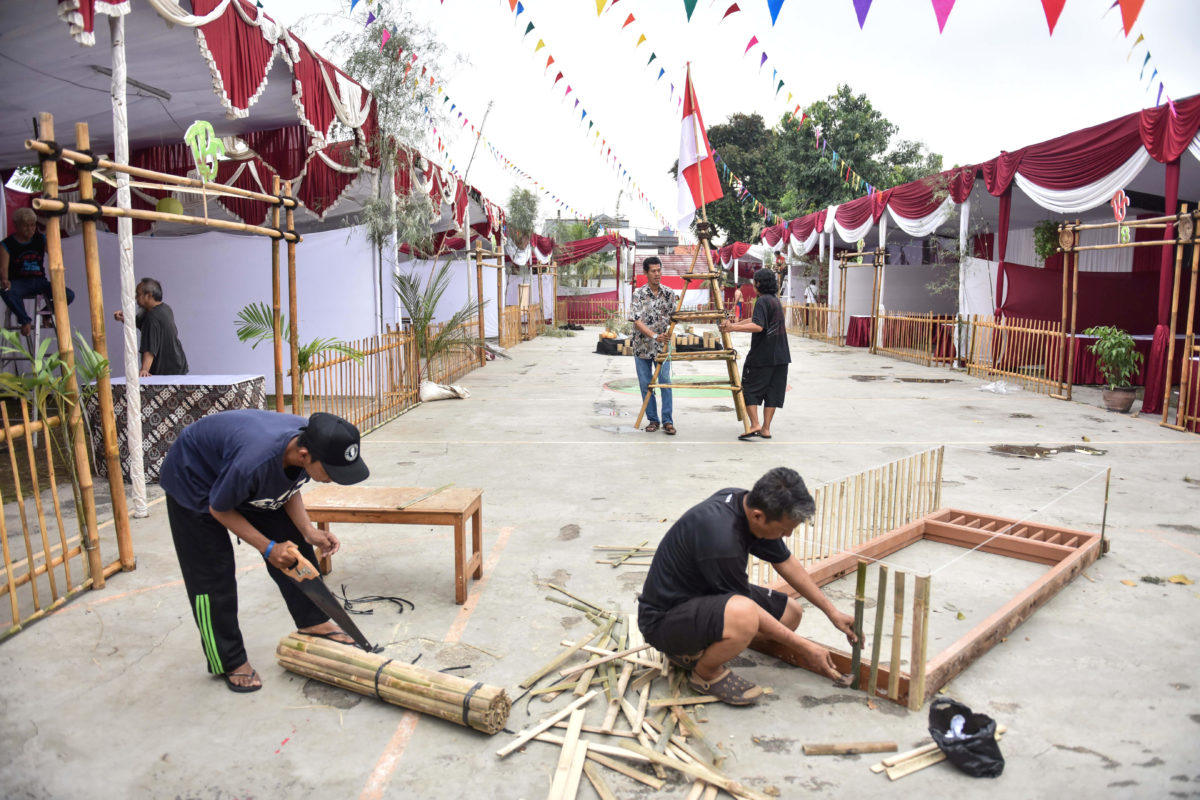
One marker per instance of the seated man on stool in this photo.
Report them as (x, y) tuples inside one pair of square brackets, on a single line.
[(698, 606), (23, 270)]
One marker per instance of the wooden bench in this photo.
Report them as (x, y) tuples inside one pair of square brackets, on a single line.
[(332, 503)]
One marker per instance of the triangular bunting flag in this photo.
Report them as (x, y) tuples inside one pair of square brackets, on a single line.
[(600, 6), (540, 45), (861, 7), (549, 61), (942, 9), (527, 30), (1052, 8), (370, 18), (641, 39), (628, 20), (520, 8), (512, 4), (1129, 13), (652, 57), (689, 6), (753, 41), (353, 3), (763, 61), (774, 5), (731, 10), (557, 79), (386, 35), (661, 72)]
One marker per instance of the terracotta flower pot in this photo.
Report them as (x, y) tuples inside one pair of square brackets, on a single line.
[(1120, 400)]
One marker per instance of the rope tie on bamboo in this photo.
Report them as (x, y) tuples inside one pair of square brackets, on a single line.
[(55, 150), (467, 701), (377, 672), (87, 166), (61, 208), (286, 201), (89, 216)]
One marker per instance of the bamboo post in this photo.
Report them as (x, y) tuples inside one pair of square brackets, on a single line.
[(897, 634), (293, 308), (36, 489), (275, 304), (1186, 377), (66, 348), (876, 643), (1170, 365), (920, 641), (112, 452), (860, 599), (1073, 260), (479, 285), (1062, 338)]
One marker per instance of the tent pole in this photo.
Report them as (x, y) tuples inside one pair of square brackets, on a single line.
[(276, 326), (133, 396)]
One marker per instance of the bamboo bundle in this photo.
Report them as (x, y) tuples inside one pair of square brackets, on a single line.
[(454, 699)]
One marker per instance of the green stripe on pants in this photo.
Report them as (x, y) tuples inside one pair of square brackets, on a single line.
[(204, 621)]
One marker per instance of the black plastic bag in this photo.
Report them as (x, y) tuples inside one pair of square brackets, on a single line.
[(970, 745)]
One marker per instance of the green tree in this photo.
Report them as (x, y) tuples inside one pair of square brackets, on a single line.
[(521, 215), (752, 152), (596, 267)]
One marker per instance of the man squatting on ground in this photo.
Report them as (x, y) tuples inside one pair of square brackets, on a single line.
[(651, 317), (242, 471), (764, 375), (698, 606)]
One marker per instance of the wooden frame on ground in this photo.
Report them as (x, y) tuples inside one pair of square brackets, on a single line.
[(1066, 551)]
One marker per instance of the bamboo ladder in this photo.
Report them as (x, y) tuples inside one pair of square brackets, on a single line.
[(726, 353)]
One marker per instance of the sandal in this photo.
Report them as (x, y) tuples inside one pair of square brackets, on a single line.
[(748, 435), (254, 686), (652, 427), (728, 688), (340, 637), (669, 429), (687, 663)]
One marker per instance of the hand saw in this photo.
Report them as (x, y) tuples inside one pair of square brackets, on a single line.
[(309, 580)]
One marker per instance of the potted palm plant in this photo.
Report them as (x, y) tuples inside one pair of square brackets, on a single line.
[(1118, 362)]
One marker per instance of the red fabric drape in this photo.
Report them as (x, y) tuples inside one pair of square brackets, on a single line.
[(543, 244), (985, 245), (1122, 299), (1166, 267), (1166, 136), (252, 212), (773, 234), (323, 185), (1152, 399), (729, 252), (570, 252), (1005, 214), (285, 150), (1146, 259), (802, 227), (241, 55), (310, 86), (856, 212)]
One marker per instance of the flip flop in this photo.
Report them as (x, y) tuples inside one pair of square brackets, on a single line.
[(652, 427), (333, 637), (762, 435), (745, 437), (668, 429), (233, 687)]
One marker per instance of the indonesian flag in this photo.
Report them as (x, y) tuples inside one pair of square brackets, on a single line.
[(697, 167)]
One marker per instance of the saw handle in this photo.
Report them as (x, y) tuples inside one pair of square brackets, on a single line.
[(301, 569)]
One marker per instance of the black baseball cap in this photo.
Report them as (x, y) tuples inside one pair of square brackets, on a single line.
[(335, 443)]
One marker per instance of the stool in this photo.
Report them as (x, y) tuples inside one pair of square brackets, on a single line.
[(333, 503)]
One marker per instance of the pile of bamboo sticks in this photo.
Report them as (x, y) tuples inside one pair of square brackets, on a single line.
[(454, 699), (906, 763), (640, 687)]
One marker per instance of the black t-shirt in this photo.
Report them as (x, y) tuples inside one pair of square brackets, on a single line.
[(26, 260), (769, 346), (704, 553), (161, 340)]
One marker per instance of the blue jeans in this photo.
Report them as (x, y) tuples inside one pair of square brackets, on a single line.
[(645, 372), (14, 298)]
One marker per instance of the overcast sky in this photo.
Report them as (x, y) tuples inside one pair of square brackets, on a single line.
[(993, 80)]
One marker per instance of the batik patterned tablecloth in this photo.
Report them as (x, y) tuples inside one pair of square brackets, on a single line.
[(169, 404)]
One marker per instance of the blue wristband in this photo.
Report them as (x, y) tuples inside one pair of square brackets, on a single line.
[(267, 552)]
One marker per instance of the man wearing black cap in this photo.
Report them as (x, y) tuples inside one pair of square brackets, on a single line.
[(241, 471)]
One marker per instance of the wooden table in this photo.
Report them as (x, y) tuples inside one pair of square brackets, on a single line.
[(333, 503)]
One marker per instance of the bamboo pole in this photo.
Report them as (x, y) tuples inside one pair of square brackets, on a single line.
[(20, 499), (108, 428), (293, 308), (1181, 411), (860, 599), (479, 285), (1170, 363), (66, 348), (876, 643), (897, 634), (176, 180), (1070, 378), (58, 516), (920, 641), (277, 327), (52, 204)]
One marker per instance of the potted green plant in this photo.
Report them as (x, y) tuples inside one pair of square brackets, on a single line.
[(1045, 239), (1118, 362)]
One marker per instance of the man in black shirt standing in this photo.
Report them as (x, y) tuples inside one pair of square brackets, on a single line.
[(764, 375), (698, 606), (162, 352)]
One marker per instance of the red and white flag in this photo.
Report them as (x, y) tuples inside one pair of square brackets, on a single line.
[(697, 167)]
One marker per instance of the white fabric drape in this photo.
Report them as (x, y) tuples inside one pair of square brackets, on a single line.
[(850, 235), (802, 248), (174, 14), (1194, 147), (347, 99), (1085, 198), (964, 225), (133, 396), (924, 226)]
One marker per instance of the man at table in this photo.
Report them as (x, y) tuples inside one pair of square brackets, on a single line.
[(241, 471), (698, 606), (161, 351)]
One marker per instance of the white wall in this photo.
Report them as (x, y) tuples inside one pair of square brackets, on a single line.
[(977, 286), (1020, 251), (209, 277), (904, 289), (546, 290)]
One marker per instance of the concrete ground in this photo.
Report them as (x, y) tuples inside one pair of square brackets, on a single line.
[(1099, 689)]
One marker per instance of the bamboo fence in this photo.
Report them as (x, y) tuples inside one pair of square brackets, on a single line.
[(462, 701), (862, 507), (510, 330), (921, 338), (821, 322), (1025, 351)]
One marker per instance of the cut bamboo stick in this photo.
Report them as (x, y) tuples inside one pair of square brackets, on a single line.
[(566, 673), (556, 662), (683, 701), (860, 600), (916, 685), (848, 748), (529, 733), (877, 641), (706, 774), (897, 633), (598, 783), (566, 757)]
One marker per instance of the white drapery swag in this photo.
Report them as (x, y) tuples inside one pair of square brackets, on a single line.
[(526, 254), (802, 248), (848, 235), (1085, 198), (924, 226)]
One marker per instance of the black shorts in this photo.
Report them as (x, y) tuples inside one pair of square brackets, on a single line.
[(693, 625), (764, 385)]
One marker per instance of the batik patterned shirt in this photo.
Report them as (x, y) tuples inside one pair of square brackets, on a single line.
[(653, 311)]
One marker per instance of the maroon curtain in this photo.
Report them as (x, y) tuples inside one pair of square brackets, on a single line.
[(241, 54), (323, 186), (570, 252), (773, 234), (252, 212), (856, 212), (1122, 299), (314, 96), (285, 150), (1166, 265), (731, 251), (1145, 259), (1005, 213), (802, 227), (1152, 399)]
